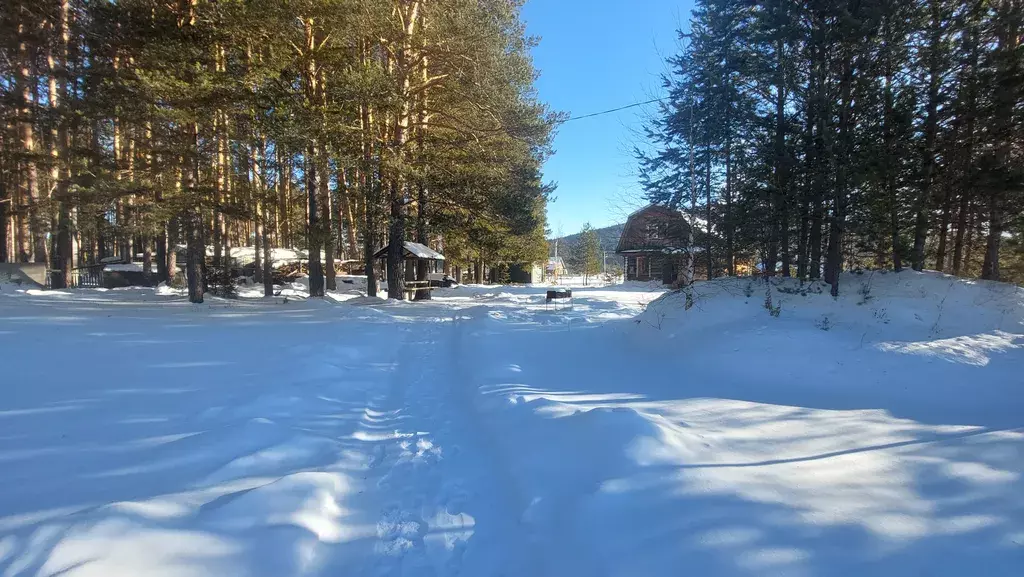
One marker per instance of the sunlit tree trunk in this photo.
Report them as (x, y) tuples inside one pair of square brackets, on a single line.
[(31, 242), (403, 69), (59, 150)]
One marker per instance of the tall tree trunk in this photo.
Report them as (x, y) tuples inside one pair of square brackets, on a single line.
[(398, 184), (316, 275), (924, 198), (730, 230), (218, 164), (347, 216), (284, 193), (195, 255), (311, 76), (147, 227), (834, 264), (369, 176), (806, 191), (257, 246), (172, 249), (32, 228), (948, 192), (258, 190), (5, 202), (338, 203), (974, 223), (818, 161), (888, 170), (708, 242), (120, 213), (692, 220), (970, 114), (264, 202), (327, 223), (98, 217), (781, 157), (61, 171), (268, 261), (368, 184), (1007, 96), (161, 257), (943, 231), (423, 198), (422, 237), (6, 198), (147, 259), (961, 228), (396, 240)]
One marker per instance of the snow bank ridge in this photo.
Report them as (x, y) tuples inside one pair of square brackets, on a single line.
[(881, 305)]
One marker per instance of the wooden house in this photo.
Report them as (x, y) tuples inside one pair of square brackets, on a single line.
[(554, 268), (655, 245)]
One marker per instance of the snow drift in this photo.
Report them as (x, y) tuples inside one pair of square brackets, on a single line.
[(484, 433)]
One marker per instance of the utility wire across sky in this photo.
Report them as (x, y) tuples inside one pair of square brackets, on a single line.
[(593, 114)]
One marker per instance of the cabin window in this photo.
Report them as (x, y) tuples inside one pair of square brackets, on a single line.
[(653, 231)]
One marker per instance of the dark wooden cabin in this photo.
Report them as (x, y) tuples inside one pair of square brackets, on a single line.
[(654, 244)]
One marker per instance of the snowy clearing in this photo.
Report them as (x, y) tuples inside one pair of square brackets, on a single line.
[(484, 433)]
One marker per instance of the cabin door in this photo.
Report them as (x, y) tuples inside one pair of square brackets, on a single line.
[(668, 270)]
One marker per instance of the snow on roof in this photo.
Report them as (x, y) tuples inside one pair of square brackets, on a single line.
[(422, 251), (127, 267), (413, 250), (661, 249)]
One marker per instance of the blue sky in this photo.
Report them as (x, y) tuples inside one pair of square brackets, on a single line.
[(595, 55)]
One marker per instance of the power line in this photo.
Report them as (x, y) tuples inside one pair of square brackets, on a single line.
[(593, 114), (502, 130)]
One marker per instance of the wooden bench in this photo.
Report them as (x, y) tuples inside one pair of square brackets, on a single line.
[(414, 286)]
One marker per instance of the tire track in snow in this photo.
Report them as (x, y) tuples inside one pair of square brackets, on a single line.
[(506, 546), (448, 502), (402, 465), (539, 520), (400, 528)]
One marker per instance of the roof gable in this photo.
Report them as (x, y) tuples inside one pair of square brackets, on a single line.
[(654, 228)]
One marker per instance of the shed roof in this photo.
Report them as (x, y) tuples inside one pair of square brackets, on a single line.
[(413, 250), (662, 250)]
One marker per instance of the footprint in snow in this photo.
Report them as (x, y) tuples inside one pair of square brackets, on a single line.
[(377, 456), (401, 534)]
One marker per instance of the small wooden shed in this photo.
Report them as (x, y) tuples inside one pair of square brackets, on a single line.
[(525, 273)]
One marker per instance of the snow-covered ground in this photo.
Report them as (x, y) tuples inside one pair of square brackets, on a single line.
[(486, 433)]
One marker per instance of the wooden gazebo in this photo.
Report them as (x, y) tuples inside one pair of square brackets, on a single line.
[(412, 253)]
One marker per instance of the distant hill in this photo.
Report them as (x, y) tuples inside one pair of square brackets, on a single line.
[(609, 237)]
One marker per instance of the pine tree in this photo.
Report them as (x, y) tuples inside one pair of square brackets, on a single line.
[(586, 253), (868, 133)]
